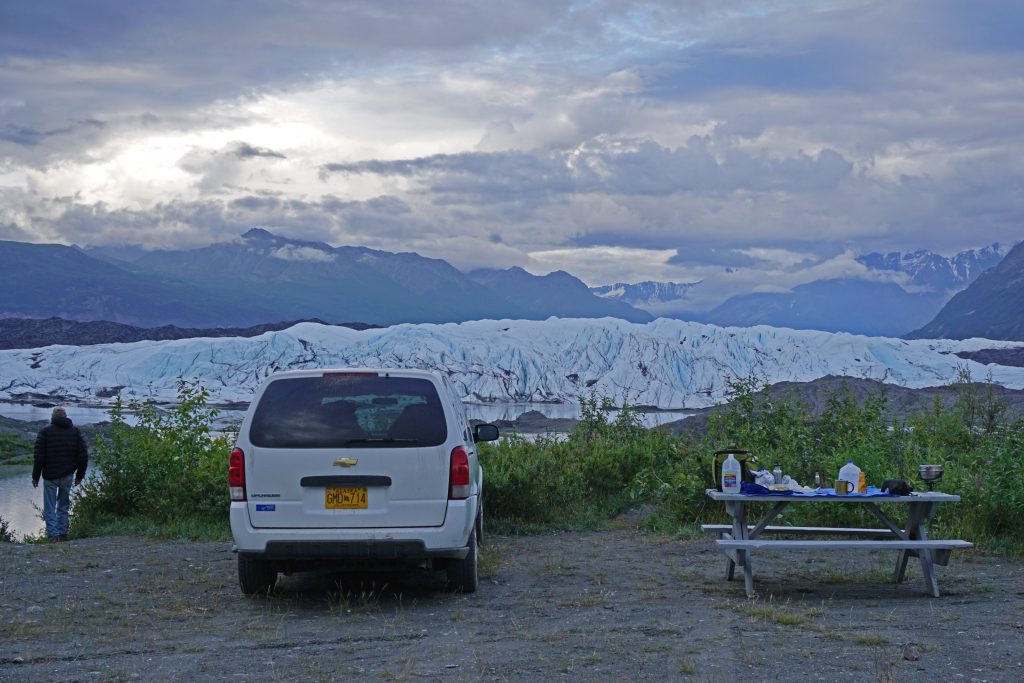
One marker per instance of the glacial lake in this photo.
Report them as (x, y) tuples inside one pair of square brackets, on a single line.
[(19, 501)]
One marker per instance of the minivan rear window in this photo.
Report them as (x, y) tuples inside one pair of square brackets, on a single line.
[(349, 411)]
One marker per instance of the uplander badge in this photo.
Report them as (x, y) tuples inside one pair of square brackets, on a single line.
[(346, 462)]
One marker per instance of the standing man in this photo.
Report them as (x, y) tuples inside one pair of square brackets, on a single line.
[(61, 454)]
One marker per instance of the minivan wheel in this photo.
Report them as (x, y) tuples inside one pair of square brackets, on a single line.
[(462, 574), (256, 577)]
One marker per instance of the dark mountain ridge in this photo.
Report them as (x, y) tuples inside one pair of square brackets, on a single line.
[(558, 294), (262, 277), (30, 333), (42, 280), (841, 305), (991, 307)]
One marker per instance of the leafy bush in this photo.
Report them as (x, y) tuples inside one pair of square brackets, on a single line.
[(6, 532), (15, 450), (606, 465), (581, 480), (166, 470)]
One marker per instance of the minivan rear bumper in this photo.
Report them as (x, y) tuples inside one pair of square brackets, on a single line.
[(354, 550), (446, 541)]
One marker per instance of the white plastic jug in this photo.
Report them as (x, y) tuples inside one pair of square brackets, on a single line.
[(731, 475), (851, 473)]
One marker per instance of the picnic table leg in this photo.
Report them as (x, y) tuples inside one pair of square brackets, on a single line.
[(738, 511), (901, 566), (748, 574), (915, 513), (925, 555)]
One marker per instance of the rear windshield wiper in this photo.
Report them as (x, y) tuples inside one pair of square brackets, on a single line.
[(353, 442)]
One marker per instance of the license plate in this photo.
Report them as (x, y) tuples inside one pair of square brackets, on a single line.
[(345, 498)]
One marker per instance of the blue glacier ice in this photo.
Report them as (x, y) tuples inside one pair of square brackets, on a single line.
[(664, 363)]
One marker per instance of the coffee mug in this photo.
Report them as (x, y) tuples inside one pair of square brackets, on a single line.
[(843, 487)]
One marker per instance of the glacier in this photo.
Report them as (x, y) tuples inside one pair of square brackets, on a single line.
[(666, 363)]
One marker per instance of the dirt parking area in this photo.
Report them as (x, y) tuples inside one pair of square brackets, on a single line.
[(611, 605)]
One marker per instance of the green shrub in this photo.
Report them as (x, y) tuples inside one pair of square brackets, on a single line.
[(15, 450), (166, 470), (578, 481), (6, 532), (607, 465)]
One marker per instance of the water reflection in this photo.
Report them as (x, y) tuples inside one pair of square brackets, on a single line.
[(78, 415), (19, 501), (489, 412)]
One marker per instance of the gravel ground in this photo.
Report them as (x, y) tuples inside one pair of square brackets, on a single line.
[(610, 605)]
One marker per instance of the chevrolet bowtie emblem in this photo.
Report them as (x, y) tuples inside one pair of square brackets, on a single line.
[(346, 462)]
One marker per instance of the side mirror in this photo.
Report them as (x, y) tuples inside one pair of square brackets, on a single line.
[(485, 432)]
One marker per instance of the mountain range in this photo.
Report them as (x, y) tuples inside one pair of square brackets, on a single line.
[(260, 277), (558, 293), (991, 307), (900, 292), (666, 299), (29, 333), (842, 305)]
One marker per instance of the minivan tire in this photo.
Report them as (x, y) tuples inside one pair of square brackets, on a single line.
[(462, 574), (256, 577)]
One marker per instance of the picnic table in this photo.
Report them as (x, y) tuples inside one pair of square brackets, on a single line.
[(739, 539)]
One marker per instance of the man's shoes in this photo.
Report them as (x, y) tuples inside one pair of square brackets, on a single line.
[(62, 537)]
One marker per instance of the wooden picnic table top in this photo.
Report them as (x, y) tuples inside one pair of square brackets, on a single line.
[(915, 497)]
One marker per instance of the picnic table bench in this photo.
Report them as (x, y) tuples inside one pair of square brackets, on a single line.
[(739, 539)]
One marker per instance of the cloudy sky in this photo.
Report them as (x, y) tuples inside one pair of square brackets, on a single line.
[(749, 143)]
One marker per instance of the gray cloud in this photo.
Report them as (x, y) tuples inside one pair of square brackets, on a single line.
[(643, 168), (29, 137), (246, 151), (492, 131)]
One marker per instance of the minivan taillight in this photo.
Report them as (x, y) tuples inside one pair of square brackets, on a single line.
[(236, 474), (458, 476)]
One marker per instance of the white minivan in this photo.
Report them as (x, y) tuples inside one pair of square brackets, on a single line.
[(343, 465)]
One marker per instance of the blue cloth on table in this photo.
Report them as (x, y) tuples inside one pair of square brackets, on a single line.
[(750, 489)]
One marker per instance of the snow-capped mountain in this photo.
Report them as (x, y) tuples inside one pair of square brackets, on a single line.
[(914, 288), (989, 307), (664, 363), (928, 271), (659, 298)]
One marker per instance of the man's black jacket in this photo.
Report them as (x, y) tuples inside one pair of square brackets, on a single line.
[(60, 450)]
